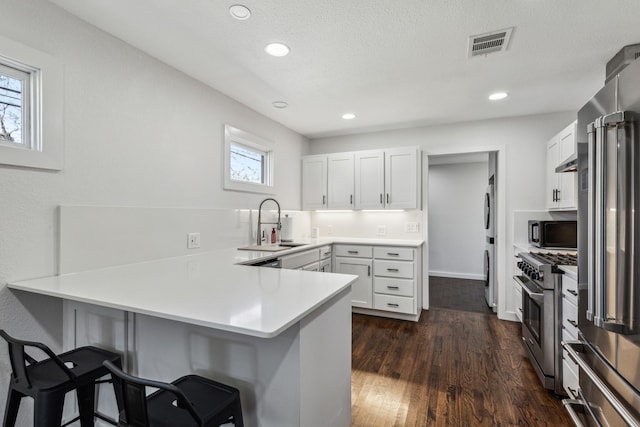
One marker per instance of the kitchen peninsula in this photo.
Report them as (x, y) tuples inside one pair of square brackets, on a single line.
[(283, 337)]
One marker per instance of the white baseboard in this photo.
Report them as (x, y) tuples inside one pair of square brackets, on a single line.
[(456, 275)]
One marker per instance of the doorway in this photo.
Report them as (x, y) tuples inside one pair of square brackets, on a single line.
[(461, 250)]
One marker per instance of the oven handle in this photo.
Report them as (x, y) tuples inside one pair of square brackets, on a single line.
[(535, 296), (570, 346)]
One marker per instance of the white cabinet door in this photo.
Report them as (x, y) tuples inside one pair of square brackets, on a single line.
[(314, 182), (553, 154), (340, 181), (401, 178), (369, 180), (361, 289), (561, 187), (568, 182)]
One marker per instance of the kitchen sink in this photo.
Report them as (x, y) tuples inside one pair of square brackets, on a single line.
[(272, 248), (292, 244)]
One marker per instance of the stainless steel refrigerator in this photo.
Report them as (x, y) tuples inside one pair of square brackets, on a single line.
[(608, 167)]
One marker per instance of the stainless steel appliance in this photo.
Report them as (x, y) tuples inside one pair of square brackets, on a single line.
[(553, 234), (541, 283), (608, 350), (490, 247)]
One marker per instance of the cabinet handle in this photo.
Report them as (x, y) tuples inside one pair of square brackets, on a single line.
[(573, 322), (387, 198), (353, 252), (369, 270), (391, 304), (395, 288), (351, 199), (324, 198), (393, 254), (381, 198), (326, 253), (520, 310), (572, 292), (395, 270)]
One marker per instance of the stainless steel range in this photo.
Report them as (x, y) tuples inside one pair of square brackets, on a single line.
[(541, 282)]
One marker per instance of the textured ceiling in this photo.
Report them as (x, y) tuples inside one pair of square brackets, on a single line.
[(394, 63)]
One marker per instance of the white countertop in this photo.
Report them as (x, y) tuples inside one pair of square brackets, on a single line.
[(209, 288), (571, 270), (204, 289)]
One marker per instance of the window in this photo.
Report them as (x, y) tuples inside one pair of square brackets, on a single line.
[(248, 162), (30, 107), (15, 107)]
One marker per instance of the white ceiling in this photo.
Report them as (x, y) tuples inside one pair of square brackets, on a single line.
[(394, 63)]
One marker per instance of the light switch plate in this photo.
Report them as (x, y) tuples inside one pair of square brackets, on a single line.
[(382, 230)]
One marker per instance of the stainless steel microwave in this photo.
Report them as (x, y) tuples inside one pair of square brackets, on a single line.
[(554, 234)]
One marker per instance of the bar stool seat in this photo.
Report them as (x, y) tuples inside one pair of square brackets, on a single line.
[(48, 380), (189, 401)]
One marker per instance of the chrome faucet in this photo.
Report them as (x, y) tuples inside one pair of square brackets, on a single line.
[(278, 224)]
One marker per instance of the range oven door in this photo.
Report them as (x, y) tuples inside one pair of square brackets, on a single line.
[(537, 328)]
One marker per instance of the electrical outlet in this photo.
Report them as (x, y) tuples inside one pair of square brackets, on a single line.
[(382, 230), (412, 227), (193, 240), (329, 229)]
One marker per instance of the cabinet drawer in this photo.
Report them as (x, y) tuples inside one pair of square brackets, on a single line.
[(393, 269), (325, 252), (387, 285), (299, 259), (394, 303), (569, 375), (570, 287), (569, 316), (405, 254), (353, 251)]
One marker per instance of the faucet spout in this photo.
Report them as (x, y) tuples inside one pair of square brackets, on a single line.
[(260, 223)]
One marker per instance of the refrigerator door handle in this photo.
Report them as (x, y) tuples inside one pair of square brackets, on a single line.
[(594, 242), (619, 303)]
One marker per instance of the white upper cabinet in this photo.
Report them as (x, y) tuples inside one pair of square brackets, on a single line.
[(376, 179), (561, 187), (401, 178), (314, 182), (340, 181), (369, 180)]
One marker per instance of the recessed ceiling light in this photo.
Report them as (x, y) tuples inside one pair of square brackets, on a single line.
[(240, 12), (277, 49), (348, 116), (280, 104), (498, 95)]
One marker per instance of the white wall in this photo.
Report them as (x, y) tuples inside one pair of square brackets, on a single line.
[(521, 142), (137, 133), (456, 226)]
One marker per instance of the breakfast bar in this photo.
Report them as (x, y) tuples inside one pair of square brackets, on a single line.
[(282, 337)]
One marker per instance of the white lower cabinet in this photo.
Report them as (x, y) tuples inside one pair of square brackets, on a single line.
[(361, 290), (569, 333), (389, 279)]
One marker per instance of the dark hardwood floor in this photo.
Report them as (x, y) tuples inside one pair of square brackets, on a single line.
[(452, 368)]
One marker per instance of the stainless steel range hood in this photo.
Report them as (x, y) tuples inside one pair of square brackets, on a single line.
[(569, 165)]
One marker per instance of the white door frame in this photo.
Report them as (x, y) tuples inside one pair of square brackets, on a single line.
[(500, 221)]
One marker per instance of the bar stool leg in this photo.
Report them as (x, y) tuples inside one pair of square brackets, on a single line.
[(237, 415), (86, 404), (47, 410), (12, 406)]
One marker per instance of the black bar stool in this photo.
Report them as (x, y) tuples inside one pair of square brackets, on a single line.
[(190, 401), (47, 381)]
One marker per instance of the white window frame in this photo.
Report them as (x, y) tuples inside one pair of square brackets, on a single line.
[(45, 148), (26, 76), (237, 136)]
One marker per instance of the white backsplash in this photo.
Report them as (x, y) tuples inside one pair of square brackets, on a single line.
[(368, 224)]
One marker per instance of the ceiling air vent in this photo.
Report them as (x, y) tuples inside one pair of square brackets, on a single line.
[(495, 41)]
